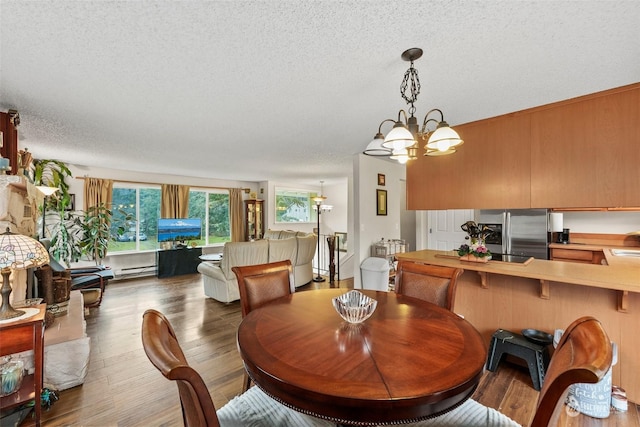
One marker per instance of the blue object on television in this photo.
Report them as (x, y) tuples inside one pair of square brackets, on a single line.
[(179, 229)]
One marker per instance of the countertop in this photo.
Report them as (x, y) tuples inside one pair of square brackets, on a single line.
[(606, 249), (622, 273)]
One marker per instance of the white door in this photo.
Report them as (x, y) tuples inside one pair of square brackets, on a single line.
[(445, 233)]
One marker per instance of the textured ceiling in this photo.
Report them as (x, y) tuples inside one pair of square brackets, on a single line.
[(286, 90)]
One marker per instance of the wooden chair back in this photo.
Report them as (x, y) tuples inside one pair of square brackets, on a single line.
[(163, 350), (432, 283), (583, 355), (262, 283)]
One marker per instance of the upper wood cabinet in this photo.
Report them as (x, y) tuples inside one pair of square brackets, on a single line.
[(587, 153), (578, 153), (491, 169)]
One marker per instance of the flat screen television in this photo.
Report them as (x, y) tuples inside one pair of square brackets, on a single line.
[(179, 229)]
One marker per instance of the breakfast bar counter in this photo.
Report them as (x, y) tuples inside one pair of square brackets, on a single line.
[(549, 295), (622, 274)]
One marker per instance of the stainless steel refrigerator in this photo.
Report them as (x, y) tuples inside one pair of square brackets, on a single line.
[(518, 233)]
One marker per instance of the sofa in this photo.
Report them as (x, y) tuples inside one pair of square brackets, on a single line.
[(221, 284)]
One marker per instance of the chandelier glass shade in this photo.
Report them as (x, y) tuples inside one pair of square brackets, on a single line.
[(401, 143), (375, 148), (399, 137)]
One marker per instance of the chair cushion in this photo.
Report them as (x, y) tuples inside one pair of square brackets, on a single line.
[(469, 414), (254, 408), (91, 279)]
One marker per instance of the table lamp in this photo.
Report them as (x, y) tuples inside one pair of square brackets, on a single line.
[(17, 252)]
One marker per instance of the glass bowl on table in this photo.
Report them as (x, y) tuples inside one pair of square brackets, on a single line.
[(354, 306)]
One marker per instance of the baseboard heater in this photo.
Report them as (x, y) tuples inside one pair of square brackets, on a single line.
[(129, 272)]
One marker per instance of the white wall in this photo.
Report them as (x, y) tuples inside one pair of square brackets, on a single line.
[(368, 226), (613, 222)]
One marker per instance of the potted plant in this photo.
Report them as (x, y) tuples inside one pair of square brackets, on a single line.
[(96, 232), (53, 173), (476, 251), (64, 225), (66, 230)]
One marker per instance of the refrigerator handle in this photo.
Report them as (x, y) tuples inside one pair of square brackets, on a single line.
[(506, 246)]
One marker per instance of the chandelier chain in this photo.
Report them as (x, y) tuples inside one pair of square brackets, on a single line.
[(410, 78)]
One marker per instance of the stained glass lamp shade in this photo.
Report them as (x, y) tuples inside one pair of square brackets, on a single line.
[(17, 252)]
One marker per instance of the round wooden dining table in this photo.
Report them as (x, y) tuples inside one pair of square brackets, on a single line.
[(409, 361)]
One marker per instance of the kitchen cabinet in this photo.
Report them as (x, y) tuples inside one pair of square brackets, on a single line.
[(23, 335), (491, 169), (585, 153), (577, 153), (585, 256), (254, 219)]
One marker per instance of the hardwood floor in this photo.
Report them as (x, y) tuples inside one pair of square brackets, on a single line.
[(122, 388)]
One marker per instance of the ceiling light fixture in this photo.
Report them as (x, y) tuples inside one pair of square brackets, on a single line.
[(401, 143)]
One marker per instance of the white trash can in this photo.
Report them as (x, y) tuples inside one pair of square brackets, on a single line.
[(374, 274), (593, 400)]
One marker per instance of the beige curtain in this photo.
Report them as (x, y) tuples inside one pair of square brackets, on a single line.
[(97, 191), (175, 201), (236, 214)]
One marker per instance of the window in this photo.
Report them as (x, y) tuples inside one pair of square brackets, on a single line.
[(294, 206), (135, 218), (212, 207), (136, 210)]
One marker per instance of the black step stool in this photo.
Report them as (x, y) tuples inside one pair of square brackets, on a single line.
[(507, 342)]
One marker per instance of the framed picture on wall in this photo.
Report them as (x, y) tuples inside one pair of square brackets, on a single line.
[(381, 202), (381, 179)]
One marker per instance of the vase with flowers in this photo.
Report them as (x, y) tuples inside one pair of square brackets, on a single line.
[(476, 250)]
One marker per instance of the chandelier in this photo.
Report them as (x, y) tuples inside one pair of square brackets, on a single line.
[(401, 143)]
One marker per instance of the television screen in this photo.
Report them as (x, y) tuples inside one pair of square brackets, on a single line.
[(179, 229)]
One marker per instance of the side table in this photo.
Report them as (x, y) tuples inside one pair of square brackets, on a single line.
[(23, 335), (213, 258)]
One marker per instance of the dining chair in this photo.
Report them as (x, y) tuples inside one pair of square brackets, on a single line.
[(583, 355), (251, 408), (432, 283), (163, 350), (260, 284)]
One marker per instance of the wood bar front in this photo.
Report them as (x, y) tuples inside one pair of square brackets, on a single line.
[(513, 299)]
